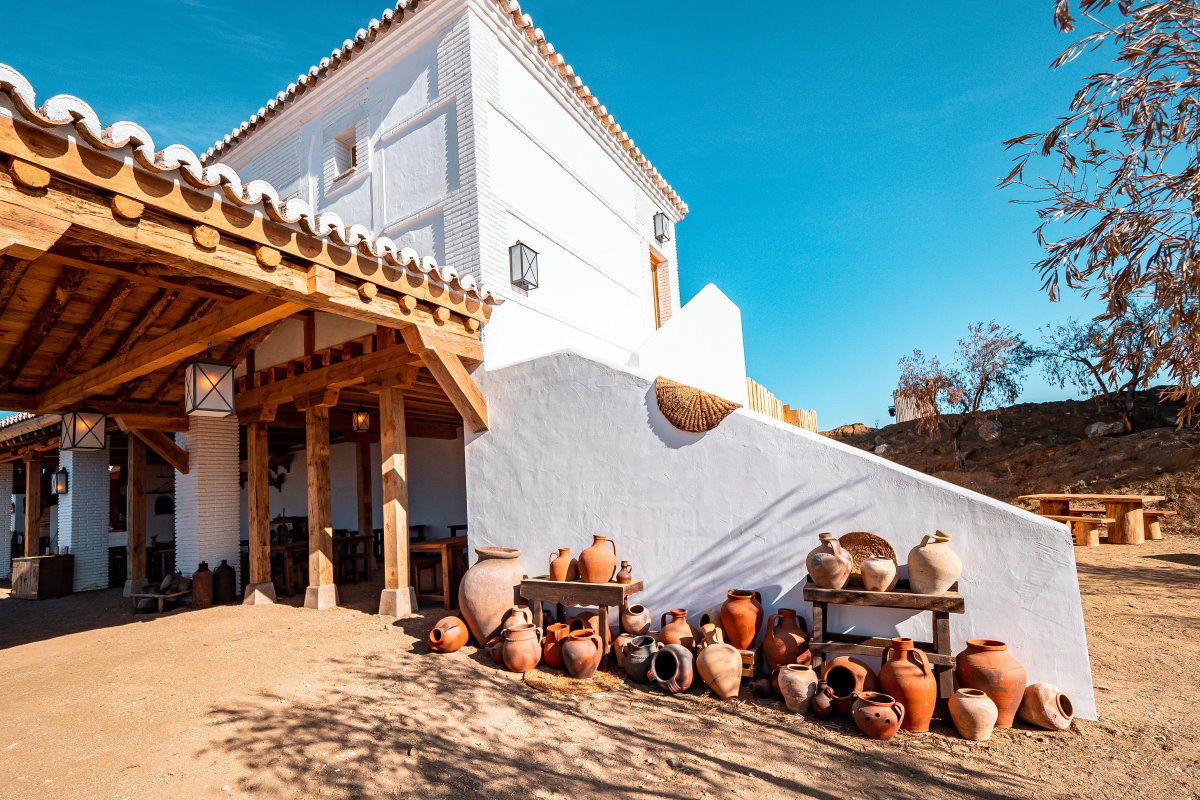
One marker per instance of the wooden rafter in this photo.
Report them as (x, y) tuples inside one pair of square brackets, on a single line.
[(334, 376), (158, 441), (100, 320), (11, 272), (26, 233), (451, 374), (68, 283), (145, 322), (198, 310)]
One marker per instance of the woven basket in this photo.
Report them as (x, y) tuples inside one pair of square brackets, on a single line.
[(689, 408), (862, 545)]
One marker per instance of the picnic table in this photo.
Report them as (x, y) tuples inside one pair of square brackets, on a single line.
[(1127, 512)]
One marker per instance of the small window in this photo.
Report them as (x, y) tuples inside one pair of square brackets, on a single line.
[(345, 153)]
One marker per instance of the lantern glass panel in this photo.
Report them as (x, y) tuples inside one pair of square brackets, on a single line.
[(60, 481), (662, 227), (523, 264), (208, 389), (82, 430), (361, 421)]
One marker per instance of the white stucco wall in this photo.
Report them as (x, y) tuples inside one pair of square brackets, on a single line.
[(577, 447)]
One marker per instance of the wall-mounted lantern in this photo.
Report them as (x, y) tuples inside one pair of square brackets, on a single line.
[(82, 430), (523, 264), (208, 388), (59, 484), (662, 227), (360, 420)]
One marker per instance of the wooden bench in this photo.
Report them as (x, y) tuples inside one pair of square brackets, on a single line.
[(1085, 530), (1153, 518), (161, 598)]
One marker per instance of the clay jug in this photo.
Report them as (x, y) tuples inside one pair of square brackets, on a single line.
[(202, 587), (932, 566), (845, 676), (672, 668), (987, 665), (522, 647), (224, 584), (822, 701), (517, 615), (798, 685), (1045, 706), (488, 589), (495, 649), (448, 635), (829, 565), (563, 567), (678, 630), (879, 574), (638, 655), (582, 652), (878, 715), (786, 640), (974, 714), (597, 563), (907, 676), (719, 664), (711, 616), (625, 575), (618, 648), (556, 634), (590, 620), (741, 617), (636, 619)]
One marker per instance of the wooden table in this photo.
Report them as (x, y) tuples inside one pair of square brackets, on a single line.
[(577, 593), (444, 548), (288, 551), (1126, 510)]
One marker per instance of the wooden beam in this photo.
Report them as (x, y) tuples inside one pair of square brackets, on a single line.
[(345, 373), (421, 338), (62, 294), (33, 505), (258, 502), (160, 443), (135, 514), (143, 274), (393, 453), (198, 310), (146, 321), (366, 503), (26, 233), (101, 318), (11, 272), (458, 385), (320, 514)]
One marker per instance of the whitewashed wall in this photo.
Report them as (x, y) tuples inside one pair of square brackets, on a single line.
[(577, 448)]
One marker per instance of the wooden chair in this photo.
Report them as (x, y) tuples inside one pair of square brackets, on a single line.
[(1085, 529)]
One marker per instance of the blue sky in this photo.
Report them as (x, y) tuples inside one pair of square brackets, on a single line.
[(840, 166)]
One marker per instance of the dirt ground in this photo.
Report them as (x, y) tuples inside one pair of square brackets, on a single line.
[(280, 702)]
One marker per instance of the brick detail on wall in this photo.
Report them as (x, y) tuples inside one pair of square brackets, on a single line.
[(6, 520), (83, 516), (208, 498)]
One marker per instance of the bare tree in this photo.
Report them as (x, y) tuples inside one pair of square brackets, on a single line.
[(987, 371), (1070, 356)]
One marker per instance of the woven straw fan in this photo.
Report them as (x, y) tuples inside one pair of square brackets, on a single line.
[(689, 408)]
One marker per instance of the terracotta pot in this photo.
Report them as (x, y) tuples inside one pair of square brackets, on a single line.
[(878, 715), (495, 649), (672, 668), (987, 665), (625, 575), (974, 714), (618, 647), (678, 630), (797, 683), (638, 655), (710, 617), (822, 701), (582, 652), (636, 619), (597, 563), (828, 564), (517, 615), (932, 566), (448, 635), (786, 640), (1045, 706), (562, 566), (488, 589), (879, 574), (556, 634), (590, 620), (741, 617), (907, 676), (521, 648), (719, 664), (845, 676)]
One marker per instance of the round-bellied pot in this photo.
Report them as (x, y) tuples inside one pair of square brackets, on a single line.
[(556, 634), (672, 668), (719, 664), (517, 615), (822, 701), (907, 676), (590, 620), (987, 665), (829, 566), (598, 562), (786, 640), (879, 574), (932, 566), (974, 714), (562, 566), (845, 676), (878, 715), (448, 635), (618, 647), (636, 619), (741, 617), (521, 648), (582, 652), (638, 654), (678, 630), (798, 685), (1045, 706), (488, 589)]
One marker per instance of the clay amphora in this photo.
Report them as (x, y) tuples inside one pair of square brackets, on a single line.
[(932, 566), (488, 589), (798, 685), (987, 665), (786, 640), (562, 566), (845, 676), (202, 587), (517, 615), (829, 565), (878, 715), (710, 617), (618, 647), (907, 676), (597, 563), (678, 630), (625, 575), (448, 635), (1045, 706), (741, 617), (672, 668), (224, 584), (974, 714), (582, 652), (822, 701), (556, 634), (719, 664), (879, 574), (638, 654), (636, 619), (522, 648)]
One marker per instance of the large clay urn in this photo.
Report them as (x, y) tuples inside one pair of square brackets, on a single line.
[(582, 652), (672, 668), (719, 664), (987, 665), (845, 676), (448, 635), (1045, 706), (974, 714), (556, 634), (822, 703), (741, 617), (877, 715), (598, 562), (907, 676), (562, 566), (489, 589), (932, 566), (829, 566), (636, 619), (522, 647), (879, 574), (678, 630), (638, 654), (798, 685), (786, 640)]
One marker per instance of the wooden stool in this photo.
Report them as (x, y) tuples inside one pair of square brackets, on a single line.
[(1085, 530), (1154, 522)]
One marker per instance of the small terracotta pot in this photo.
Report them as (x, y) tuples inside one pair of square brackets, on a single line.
[(678, 630), (822, 703), (625, 574), (829, 566), (636, 619), (741, 617), (1045, 706), (878, 715), (562, 566), (879, 574), (786, 640), (638, 654), (987, 665), (521, 647), (618, 648), (907, 676), (974, 714), (598, 562), (495, 649), (719, 665), (672, 668), (797, 683), (582, 652), (448, 635), (711, 616), (517, 615), (845, 676), (556, 634)]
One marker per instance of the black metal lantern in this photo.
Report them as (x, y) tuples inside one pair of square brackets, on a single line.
[(208, 388), (59, 484), (82, 430), (662, 227), (523, 263), (360, 420)]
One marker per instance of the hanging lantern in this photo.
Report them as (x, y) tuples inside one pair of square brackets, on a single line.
[(523, 266), (208, 388), (59, 484), (82, 430), (662, 227), (360, 420)]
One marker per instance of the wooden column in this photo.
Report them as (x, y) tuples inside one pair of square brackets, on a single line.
[(33, 505), (135, 516), (366, 503), (398, 597), (259, 589), (321, 593)]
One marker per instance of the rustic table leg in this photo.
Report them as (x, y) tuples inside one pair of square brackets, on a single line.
[(942, 646), (1057, 508), (445, 551), (1153, 528), (1128, 523), (818, 634), (605, 633)]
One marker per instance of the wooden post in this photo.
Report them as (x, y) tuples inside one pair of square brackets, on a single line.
[(259, 590), (135, 517), (366, 503), (1128, 523), (33, 505), (397, 598), (321, 593)]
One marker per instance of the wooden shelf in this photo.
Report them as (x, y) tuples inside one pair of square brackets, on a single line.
[(950, 602)]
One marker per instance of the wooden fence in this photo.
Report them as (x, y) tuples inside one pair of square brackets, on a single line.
[(764, 402)]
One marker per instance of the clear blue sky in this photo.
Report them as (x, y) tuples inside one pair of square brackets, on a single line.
[(840, 163)]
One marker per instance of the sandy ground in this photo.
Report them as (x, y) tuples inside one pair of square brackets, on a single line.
[(281, 702)]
